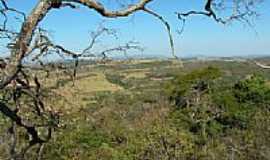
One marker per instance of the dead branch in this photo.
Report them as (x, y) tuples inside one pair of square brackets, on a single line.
[(242, 10)]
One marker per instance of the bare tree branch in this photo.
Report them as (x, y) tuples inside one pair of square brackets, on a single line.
[(241, 11), (262, 65), (97, 6), (168, 28)]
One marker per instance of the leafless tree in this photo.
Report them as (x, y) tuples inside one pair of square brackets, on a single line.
[(22, 90), (235, 10)]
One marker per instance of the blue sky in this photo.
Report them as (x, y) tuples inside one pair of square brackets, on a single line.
[(202, 36)]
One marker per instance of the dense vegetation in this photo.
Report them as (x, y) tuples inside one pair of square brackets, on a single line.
[(157, 110)]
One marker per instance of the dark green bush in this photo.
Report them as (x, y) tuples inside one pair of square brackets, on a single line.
[(252, 90), (206, 106), (196, 81)]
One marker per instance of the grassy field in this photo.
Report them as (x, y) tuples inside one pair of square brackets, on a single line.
[(122, 110)]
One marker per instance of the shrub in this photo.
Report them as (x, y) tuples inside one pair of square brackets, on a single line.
[(252, 90), (196, 81)]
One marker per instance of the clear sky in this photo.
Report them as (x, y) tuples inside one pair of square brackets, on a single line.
[(202, 36)]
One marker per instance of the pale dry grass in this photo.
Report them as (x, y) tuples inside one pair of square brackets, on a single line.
[(268, 83), (73, 96), (95, 84), (136, 73)]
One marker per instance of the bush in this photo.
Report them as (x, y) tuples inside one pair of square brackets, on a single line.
[(117, 79), (207, 107), (252, 90), (197, 81)]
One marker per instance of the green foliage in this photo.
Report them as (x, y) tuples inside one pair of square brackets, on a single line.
[(185, 84), (233, 113), (252, 90), (218, 109), (78, 141), (241, 101)]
